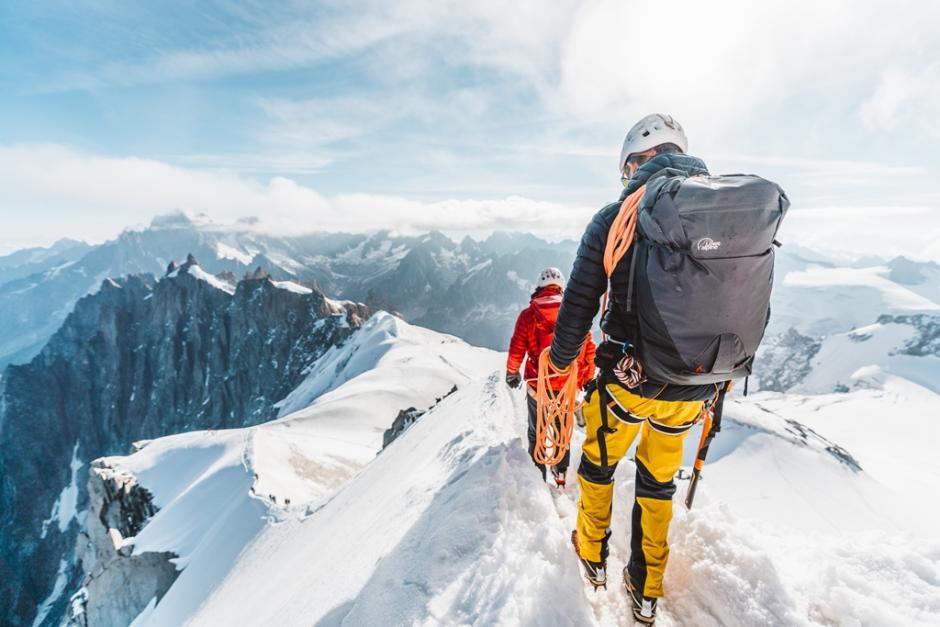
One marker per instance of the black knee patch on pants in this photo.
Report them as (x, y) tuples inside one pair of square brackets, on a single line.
[(594, 473), (648, 487)]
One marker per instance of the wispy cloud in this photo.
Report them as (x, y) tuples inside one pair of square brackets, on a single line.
[(279, 42), (300, 109), (905, 99), (58, 191), (95, 197)]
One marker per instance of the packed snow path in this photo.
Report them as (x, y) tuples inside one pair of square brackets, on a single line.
[(451, 525)]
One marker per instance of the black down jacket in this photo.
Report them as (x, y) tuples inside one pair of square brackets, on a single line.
[(588, 281)]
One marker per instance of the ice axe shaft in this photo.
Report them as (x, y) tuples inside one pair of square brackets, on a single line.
[(711, 426), (699, 461)]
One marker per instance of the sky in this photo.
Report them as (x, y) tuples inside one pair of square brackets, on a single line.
[(465, 117)]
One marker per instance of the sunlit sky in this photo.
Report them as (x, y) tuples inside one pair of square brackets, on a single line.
[(462, 116)]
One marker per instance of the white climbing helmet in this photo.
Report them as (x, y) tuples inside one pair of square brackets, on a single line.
[(651, 131), (551, 276)]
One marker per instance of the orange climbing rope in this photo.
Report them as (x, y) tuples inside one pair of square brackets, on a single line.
[(555, 420), (620, 237)]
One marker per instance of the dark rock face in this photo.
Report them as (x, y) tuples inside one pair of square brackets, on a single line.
[(118, 508), (122, 503), (926, 340), (139, 359), (785, 360), (406, 418)]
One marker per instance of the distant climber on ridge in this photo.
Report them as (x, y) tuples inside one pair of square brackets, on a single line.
[(688, 261), (533, 333)]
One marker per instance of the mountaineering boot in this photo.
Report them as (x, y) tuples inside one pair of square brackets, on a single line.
[(559, 477), (644, 608), (594, 572)]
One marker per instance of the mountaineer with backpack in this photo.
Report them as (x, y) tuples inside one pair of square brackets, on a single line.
[(688, 261), (533, 333)]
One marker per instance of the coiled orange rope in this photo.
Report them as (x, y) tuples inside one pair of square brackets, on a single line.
[(555, 420)]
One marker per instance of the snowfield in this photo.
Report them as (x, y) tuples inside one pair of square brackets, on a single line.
[(813, 510)]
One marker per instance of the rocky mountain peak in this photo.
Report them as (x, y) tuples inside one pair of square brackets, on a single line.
[(258, 274)]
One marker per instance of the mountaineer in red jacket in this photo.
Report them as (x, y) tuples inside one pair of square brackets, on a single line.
[(534, 331)]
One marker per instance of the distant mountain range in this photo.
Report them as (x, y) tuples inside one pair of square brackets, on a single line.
[(469, 288)]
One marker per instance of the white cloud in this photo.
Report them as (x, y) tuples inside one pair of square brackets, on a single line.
[(792, 79), (882, 231), (718, 66), (361, 212), (724, 65), (51, 191), (905, 100)]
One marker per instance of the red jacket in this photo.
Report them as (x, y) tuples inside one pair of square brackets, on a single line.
[(535, 328)]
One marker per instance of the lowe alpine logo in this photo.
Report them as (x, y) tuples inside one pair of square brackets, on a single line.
[(707, 244)]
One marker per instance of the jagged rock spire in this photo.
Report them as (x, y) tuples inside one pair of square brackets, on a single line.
[(258, 274)]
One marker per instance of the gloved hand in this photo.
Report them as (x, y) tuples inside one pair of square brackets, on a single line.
[(608, 355), (513, 379)]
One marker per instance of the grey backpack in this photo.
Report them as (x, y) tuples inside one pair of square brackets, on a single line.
[(703, 270)]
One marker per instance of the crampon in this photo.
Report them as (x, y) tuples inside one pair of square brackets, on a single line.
[(594, 572)]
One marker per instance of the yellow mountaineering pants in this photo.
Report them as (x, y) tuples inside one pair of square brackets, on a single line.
[(662, 426)]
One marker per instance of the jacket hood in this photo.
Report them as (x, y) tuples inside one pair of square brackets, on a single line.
[(542, 292), (673, 163)]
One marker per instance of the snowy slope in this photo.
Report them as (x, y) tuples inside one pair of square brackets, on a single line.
[(451, 524), (216, 490), (867, 357), (871, 355), (818, 297), (891, 430)]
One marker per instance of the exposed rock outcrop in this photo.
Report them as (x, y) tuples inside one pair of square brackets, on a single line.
[(785, 360), (926, 340), (117, 584), (406, 418), (139, 359)]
